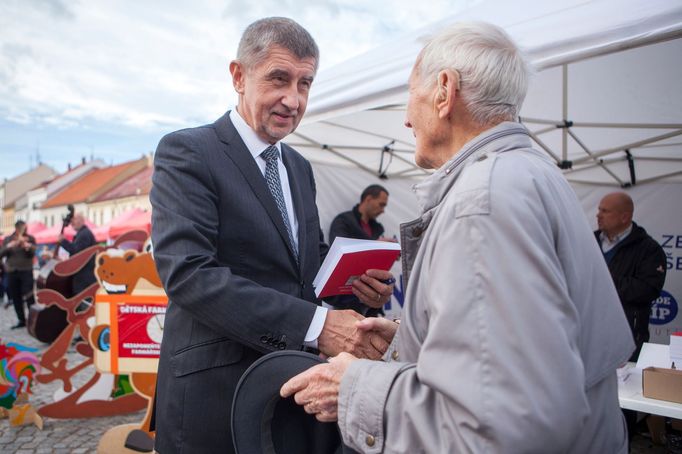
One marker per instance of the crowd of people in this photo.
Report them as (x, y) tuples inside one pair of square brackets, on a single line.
[(19, 257)]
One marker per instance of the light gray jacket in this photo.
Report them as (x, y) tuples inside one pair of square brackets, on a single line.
[(512, 329)]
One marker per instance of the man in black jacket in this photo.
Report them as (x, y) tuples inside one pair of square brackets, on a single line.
[(360, 223), (636, 262), (83, 240), (637, 265)]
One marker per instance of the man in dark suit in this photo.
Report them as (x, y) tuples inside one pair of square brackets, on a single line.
[(81, 241), (237, 243)]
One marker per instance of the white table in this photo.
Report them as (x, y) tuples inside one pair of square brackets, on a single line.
[(630, 397)]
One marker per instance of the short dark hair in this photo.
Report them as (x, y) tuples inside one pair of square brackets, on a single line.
[(261, 35), (373, 190), (19, 223)]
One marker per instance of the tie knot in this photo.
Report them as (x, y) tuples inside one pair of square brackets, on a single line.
[(270, 153)]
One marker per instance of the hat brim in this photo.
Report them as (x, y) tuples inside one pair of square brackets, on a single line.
[(264, 423)]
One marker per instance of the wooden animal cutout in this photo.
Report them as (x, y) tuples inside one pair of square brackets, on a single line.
[(121, 274), (94, 398), (129, 312)]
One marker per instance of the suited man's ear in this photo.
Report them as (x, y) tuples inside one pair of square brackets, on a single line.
[(237, 70)]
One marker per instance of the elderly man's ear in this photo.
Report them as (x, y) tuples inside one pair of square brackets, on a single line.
[(447, 90)]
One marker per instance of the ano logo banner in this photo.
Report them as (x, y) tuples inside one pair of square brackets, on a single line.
[(664, 309)]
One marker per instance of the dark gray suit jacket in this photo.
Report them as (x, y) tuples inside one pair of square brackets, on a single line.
[(235, 291)]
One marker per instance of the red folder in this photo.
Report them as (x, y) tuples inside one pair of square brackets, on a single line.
[(347, 259)]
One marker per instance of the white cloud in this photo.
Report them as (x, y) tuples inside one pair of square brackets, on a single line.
[(163, 63), (94, 77)]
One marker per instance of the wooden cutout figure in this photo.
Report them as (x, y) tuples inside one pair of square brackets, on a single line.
[(19, 364), (95, 397), (22, 413), (130, 302)]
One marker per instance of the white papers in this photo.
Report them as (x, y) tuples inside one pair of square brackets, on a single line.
[(624, 372), (676, 349), (653, 355)]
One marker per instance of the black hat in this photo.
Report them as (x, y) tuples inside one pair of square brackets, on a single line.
[(264, 423)]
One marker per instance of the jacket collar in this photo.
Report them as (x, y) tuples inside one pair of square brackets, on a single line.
[(242, 158), (358, 217), (431, 191)]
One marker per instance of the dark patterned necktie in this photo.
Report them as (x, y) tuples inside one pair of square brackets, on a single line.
[(270, 155)]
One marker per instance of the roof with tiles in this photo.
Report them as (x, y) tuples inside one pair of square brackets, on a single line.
[(95, 183), (138, 184)]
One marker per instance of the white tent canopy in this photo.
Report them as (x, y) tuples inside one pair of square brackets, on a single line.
[(606, 103), (609, 69)]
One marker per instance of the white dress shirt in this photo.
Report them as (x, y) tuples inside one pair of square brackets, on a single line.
[(607, 244), (256, 146)]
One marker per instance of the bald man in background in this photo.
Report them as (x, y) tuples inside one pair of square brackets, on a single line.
[(636, 262), (637, 265)]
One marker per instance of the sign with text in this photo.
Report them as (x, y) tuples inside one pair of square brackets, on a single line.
[(128, 332)]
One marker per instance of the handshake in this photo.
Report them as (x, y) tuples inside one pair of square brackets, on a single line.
[(348, 331), (346, 337)]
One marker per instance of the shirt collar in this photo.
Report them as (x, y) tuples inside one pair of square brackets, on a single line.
[(433, 188), (253, 143), (616, 239)]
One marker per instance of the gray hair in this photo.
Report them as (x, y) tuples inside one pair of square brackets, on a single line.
[(493, 72), (263, 34)]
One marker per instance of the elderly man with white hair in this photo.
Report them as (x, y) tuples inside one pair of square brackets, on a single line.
[(502, 345)]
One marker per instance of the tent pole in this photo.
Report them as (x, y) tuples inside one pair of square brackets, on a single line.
[(601, 153), (539, 121), (564, 105), (660, 177), (336, 153), (628, 125), (371, 134), (544, 130), (543, 146), (597, 161)]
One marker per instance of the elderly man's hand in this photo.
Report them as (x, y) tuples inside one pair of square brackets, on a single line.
[(340, 334), (379, 328), (317, 389), (370, 289)]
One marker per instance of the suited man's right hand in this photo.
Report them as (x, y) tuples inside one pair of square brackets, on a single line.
[(340, 334)]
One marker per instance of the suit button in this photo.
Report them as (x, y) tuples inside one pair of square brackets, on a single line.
[(303, 284), (281, 346), (264, 339), (369, 439), (395, 355)]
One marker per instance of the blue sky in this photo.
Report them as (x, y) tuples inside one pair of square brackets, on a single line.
[(108, 79)]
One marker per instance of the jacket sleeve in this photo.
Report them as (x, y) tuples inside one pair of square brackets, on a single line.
[(4, 250), (323, 246), (185, 232), (68, 246), (499, 368), (646, 282), (338, 228)]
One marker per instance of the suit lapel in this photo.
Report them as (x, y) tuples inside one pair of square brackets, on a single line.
[(295, 178), (242, 158)]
